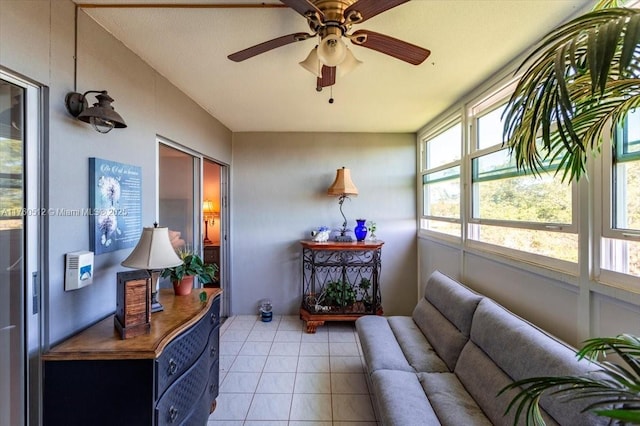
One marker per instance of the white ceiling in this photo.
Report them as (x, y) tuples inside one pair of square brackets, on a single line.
[(469, 41)]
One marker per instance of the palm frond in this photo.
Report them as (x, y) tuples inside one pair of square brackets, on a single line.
[(583, 74)]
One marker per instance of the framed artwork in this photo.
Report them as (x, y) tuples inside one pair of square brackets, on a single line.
[(115, 197)]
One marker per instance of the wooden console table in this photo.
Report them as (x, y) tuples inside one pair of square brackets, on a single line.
[(340, 281), (169, 376)]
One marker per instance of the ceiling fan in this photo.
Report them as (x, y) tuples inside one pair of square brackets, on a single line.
[(331, 20)]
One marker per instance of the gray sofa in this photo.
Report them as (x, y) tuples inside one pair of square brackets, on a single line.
[(447, 362)]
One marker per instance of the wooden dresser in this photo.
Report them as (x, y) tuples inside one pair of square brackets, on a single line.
[(167, 377)]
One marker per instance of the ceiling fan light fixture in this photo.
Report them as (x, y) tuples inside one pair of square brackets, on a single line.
[(312, 63), (349, 64), (332, 50)]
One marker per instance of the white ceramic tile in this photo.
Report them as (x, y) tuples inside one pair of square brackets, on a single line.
[(291, 323), (255, 348), (314, 348), (266, 423), (270, 407), (258, 335), (232, 406), (288, 336), (252, 318), (318, 336), (276, 383), (230, 348), (313, 364), (261, 325), (248, 364), (240, 325), (353, 408), (352, 424), (240, 382), (234, 336), (309, 423), (225, 362), (343, 349), (311, 407), (348, 383), (346, 364), (342, 336), (281, 364), (225, 423), (285, 348), (313, 383)]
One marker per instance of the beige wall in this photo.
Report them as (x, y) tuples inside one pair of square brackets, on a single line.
[(280, 183), (37, 41)]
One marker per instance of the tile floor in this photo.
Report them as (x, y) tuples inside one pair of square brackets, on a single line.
[(276, 374)]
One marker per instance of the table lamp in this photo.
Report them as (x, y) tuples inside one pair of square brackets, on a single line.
[(154, 252), (342, 187)]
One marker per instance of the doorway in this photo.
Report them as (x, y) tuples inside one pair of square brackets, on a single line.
[(20, 327)]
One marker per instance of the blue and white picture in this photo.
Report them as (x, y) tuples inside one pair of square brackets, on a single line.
[(116, 205)]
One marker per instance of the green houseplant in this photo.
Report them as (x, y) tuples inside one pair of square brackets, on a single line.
[(192, 266), (583, 76), (339, 293), (614, 392)]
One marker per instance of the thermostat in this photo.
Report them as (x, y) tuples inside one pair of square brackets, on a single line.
[(78, 270)]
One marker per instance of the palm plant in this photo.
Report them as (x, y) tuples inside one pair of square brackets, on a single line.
[(613, 391), (583, 77)]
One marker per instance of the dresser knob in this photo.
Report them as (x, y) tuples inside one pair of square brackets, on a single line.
[(213, 318), (173, 367), (173, 413), (212, 351)]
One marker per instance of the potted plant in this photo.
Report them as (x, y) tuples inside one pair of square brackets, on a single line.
[(581, 80), (339, 293), (363, 295), (613, 391), (192, 266)]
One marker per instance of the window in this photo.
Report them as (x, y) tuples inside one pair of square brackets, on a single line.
[(441, 181), (621, 242)]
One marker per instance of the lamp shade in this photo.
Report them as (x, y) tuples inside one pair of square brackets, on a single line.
[(332, 50), (343, 185), (101, 115), (154, 251), (312, 63), (349, 64)]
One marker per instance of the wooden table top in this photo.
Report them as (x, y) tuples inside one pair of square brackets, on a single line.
[(339, 245), (102, 340)]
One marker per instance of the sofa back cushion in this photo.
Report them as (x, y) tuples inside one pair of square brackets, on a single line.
[(520, 350), (444, 316)]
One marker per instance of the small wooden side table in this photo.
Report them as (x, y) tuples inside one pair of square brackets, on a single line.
[(340, 281)]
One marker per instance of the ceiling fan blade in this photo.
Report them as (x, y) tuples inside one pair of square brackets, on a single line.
[(362, 10), (390, 46), (328, 77), (303, 7), (252, 51)]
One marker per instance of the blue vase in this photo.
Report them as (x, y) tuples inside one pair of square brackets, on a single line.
[(360, 230)]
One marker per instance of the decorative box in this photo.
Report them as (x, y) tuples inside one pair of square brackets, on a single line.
[(133, 304)]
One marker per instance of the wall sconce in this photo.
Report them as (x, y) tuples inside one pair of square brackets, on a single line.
[(209, 214), (101, 115), (153, 253), (342, 187)]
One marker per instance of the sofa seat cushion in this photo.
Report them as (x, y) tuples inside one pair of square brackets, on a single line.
[(401, 401), (379, 345), (450, 401), (415, 346)]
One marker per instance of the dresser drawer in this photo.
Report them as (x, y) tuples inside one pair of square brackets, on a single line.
[(180, 354), (177, 403)]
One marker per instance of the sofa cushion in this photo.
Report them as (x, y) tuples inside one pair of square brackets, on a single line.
[(415, 346), (450, 401), (483, 380), (401, 400), (379, 345), (444, 316), (523, 351)]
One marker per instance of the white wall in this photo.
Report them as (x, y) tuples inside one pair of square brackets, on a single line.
[(37, 41), (280, 183)]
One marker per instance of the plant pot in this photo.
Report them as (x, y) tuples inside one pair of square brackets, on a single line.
[(184, 286)]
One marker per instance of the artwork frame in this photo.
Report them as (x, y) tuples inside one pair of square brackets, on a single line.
[(115, 205)]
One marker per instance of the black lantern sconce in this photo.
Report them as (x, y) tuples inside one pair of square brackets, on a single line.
[(101, 115)]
